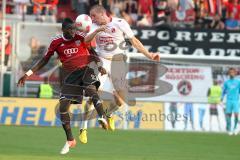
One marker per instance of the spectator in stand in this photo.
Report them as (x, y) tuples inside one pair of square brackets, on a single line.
[(127, 17), (145, 21), (34, 45), (38, 6), (80, 6), (9, 7), (51, 9), (116, 6), (223, 15), (231, 23), (37, 49), (118, 10), (184, 14), (201, 20), (21, 7), (217, 23), (93, 2), (104, 3), (145, 10), (233, 7), (61, 17), (63, 2), (161, 11), (131, 8), (8, 46), (41, 8), (74, 5), (173, 4)]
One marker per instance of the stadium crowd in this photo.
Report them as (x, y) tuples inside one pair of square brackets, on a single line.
[(40, 8), (215, 14)]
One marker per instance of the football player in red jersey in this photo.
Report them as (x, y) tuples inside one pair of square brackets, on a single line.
[(80, 80)]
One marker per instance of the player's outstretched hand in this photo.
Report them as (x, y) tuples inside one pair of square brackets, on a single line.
[(22, 80), (155, 56), (102, 70)]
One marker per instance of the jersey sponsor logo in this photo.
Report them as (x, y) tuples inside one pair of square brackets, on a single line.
[(106, 39), (68, 52)]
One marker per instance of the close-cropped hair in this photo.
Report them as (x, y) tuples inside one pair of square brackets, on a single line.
[(98, 8)]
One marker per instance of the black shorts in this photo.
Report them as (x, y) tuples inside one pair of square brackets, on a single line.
[(75, 83), (213, 110)]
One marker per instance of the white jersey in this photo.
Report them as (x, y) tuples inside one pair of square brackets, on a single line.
[(112, 41)]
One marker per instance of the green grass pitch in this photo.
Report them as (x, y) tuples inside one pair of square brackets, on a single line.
[(44, 143)]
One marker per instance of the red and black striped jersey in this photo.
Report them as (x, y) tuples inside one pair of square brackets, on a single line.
[(72, 53)]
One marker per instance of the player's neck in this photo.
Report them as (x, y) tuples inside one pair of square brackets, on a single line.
[(66, 37)]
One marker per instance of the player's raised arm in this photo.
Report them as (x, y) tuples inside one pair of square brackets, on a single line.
[(92, 35), (126, 29), (34, 69), (41, 63), (139, 46)]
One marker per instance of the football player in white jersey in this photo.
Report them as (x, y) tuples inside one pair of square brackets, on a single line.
[(110, 34)]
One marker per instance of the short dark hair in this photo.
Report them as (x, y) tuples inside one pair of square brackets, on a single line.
[(231, 69), (67, 23), (98, 8), (215, 82)]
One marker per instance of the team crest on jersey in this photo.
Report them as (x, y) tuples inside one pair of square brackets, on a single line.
[(78, 42), (113, 30)]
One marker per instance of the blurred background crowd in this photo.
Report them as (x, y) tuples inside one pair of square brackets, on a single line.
[(216, 14)]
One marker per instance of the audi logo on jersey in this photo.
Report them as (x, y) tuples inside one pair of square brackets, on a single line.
[(68, 52)]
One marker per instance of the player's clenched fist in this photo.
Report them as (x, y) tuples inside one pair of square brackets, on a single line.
[(155, 57), (22, 80), (102, 70)]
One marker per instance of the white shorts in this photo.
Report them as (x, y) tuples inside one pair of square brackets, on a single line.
[(115, 79)]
